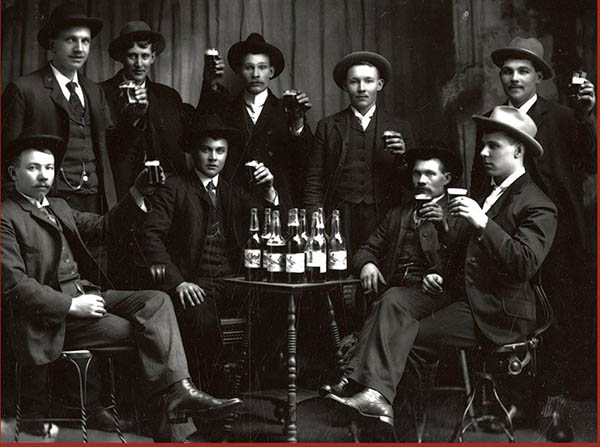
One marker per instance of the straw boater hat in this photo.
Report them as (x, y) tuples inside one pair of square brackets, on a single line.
[(435, 149), (212, 126), (515, 123), (135, 31), (255, 44), (54, 144), (382, 64), (66, 15), (524, 48)]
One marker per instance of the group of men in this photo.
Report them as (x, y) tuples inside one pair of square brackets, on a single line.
[(452, 273)]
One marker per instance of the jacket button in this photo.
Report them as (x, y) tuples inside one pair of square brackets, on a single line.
[(269, 132), (473, 259)]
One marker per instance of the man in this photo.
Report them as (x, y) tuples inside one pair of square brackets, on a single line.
[(503, 239), (197, 230), (53, 305), (151, 127), (350, 167), (272, 136), (568, 137)]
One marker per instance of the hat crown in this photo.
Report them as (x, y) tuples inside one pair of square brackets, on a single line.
[(134, 26), (529, 44), (255, 38), (513, 117), (208, 123), (67, 10)]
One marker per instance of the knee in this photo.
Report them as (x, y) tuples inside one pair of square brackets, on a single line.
[(156, 300)]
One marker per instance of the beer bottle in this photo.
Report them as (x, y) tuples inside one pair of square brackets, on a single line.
[(322, 217), (276, 251), (295, 257), (265, 236), (252, 250), (316, 252), (303, 227), (337, 255)]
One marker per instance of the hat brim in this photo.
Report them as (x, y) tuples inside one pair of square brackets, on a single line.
[(382, 64), (231, 134), (53, 143), (531, 144), (501, 55), (238, 50), (451, 161), (93, 23), (117, 48)]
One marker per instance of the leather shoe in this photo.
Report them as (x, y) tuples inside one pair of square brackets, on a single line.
[(344, 388), (103, 420), (368, 403), (185, 400), (560, 430)]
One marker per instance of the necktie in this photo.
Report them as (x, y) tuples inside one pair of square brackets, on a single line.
[(212, 193), (48, 214), (74, 99)]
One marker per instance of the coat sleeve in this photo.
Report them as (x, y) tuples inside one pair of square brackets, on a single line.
[(213, 101), (378, 244), (584, 146), (13, 112), (315, 166)]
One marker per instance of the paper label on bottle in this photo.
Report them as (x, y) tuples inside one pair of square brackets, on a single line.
[(252, 258), (275, 262), (294, 263), (338, 260), (317, 259)]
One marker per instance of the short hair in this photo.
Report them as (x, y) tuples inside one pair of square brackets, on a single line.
[(130, 42), (16, 158), (215, 135)]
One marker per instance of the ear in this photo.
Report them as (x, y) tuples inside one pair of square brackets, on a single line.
[(447, 178), (271, 71), (519, 150), (12, 172), (380, 84), (153, 57), (538, 77)]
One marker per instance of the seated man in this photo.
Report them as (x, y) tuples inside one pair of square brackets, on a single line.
[(406, 248), (53, 306), (503, 239), (197, 230)]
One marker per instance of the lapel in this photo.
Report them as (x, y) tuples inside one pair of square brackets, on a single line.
[(382, 123), (267, 112), (405, 216), (56, 94), (342, 126), (538, 111), (34, 211), (507, 198), (93, 98), (199, 188), (428, 236)]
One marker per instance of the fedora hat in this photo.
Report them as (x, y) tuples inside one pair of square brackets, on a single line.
[(524, 48), (515, 123), (209, 125), (63, 16), (53, 143), (255, 44), (382, 64), (434, 149), (135, 31)]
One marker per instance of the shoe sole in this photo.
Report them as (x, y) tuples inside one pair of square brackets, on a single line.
[(213, 413), (353, 409)]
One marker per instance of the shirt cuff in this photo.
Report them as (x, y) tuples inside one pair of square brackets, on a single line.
[(297, 133)]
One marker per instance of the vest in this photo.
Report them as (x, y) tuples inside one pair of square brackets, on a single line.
[(79, 156), (412, 263), (215, 261), (356, 180)]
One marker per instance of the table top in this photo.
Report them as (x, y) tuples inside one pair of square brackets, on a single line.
[(290, 287)]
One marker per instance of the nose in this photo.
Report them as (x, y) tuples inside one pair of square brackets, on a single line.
[(138, 62), (255, 72), (212, 155), (422, 179), (361, 86), (485, 152), (515, 76), (78, 46)]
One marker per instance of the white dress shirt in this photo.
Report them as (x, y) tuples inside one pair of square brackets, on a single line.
[(526, 105), (366, 118), (63, 81), (255, 104), (498, 190)]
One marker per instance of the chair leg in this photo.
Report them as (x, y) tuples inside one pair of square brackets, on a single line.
[(82, 372), (113, 400), (508, 426), (18, 409), (463, 425)]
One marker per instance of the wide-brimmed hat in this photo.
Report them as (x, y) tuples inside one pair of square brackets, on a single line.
[(382, 64), (135, 31), (63, 16), (212, 126), (524, 48), (53, 143), (515, 123), (434, 149), (255, 44)]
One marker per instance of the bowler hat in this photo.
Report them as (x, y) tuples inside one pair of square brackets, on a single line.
[(524, 48), (358, 57), (255, 44), (63, 16), (53, 143), (515, 123), (435, 149), (135, 31), (209, 125)]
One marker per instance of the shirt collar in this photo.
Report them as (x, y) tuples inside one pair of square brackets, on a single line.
[(62, 79), (36, 202), (204, 179), (527, 104), (256, 100), (510, 179), (367, 115), (125, 78)]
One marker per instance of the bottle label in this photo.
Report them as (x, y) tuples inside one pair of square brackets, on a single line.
[(317, 259), (275, 262), (252, 258), (294, 263), (338, 260), (264, 258)]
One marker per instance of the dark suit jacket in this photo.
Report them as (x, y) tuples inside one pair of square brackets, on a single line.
[(31, 249), (326, 161), (174, 232), (384, 245), (270, 139), (34, 104), (158, 133), (569, 151), (501, 264)]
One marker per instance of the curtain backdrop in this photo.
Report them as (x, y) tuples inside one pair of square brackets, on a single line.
[(415, 35)]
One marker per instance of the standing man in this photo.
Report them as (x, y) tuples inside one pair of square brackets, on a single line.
[(57, 298), (272, 136), (350, 166), (501, 241), (568, 137)]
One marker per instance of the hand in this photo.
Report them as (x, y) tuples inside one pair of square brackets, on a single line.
[(141, 106), (370, 276), (304, 105), (395, 143), (142, 181), (433, 212), (469, 209), (190, 294), (432, 284), (586, 100), (87, 306), (262, 176), (212, 73)]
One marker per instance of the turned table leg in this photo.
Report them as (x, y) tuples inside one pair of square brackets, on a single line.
[(290, 423)]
